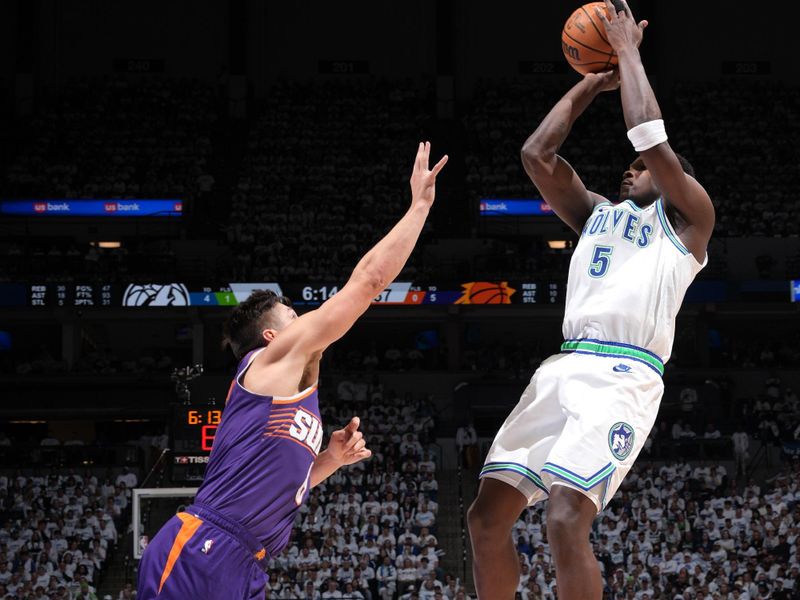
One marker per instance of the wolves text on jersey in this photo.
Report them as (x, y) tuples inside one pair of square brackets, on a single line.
[(621, 222)]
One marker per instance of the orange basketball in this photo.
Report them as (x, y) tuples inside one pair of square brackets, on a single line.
[(584, 42)]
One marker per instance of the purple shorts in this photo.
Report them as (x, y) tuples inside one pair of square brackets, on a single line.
[(202, 554)]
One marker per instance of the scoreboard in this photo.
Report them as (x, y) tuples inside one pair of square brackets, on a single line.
[(312, 294), (62, 294), (152, 295), (194, 427), (471, 292)]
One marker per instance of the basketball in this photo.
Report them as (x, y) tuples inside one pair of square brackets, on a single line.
[(584, 42)]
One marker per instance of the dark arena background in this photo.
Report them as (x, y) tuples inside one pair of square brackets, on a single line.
[(160, 160)]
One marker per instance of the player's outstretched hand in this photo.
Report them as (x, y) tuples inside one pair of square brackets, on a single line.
[(348, 446), (622, 30), (423, 180), (607, 81)]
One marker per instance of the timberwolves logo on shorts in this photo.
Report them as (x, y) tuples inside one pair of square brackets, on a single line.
[(620, 440)]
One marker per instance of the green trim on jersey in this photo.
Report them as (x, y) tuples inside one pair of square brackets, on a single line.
[(614, 349)]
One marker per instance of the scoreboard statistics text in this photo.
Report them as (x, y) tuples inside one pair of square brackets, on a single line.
[(153, 295)]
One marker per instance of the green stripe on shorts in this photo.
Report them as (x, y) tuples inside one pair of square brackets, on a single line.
[(585, 484), (611, 349)]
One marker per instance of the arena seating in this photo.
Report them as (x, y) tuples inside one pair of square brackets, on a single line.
[(682, 531), (325, 176), (57, 530), (503, 114), (723, 131), (348, 146), (115, 137), (713, 124)]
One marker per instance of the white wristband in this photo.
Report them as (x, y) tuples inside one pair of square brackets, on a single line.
[(646, 135)]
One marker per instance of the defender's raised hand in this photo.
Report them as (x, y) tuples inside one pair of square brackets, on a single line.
[(348, 446), (621, 28), (423, 180)]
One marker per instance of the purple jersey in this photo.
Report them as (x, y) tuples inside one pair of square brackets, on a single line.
[(260, 463)]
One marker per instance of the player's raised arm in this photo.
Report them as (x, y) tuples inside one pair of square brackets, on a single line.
[(646, 130), (556, 180), (317, 329)]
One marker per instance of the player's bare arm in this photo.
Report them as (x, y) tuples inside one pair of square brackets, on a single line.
[(291, 360), (556, 180), (692, 210), (279, 368)]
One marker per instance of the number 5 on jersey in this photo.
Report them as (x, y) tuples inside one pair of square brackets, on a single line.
[(601, 260)]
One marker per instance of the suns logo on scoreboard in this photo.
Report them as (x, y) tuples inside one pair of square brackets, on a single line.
[(297, 425), (486, 292)]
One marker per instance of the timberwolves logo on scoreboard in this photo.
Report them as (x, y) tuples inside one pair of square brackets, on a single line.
[(152, 294), (620, 440)]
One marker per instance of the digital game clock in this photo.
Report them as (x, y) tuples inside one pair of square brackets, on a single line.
[(194, 427)]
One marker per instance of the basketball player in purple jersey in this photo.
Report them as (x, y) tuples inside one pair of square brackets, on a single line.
[(266, 454)]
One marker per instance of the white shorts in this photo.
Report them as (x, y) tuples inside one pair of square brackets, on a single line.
[(581, 422)]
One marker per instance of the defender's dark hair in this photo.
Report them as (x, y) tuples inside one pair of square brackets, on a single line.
[(687, 166), (242, 330)]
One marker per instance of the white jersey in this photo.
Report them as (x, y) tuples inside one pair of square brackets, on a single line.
[(627, 279)]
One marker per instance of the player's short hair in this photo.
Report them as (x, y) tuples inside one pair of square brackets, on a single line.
[(242, 330), (687, 166)]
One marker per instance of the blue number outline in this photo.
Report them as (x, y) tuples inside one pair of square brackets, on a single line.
[(601, 261)]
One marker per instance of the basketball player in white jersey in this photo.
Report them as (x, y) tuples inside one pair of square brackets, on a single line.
[(587, 411)]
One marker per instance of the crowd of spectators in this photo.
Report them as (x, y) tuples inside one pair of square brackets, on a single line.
[(57, 530), (729, 425), (117, 137), (774, 415), (503, 114), (325, 176), (109, 137), (682, 532), (723, 132), (711, 123), (347, 146)]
